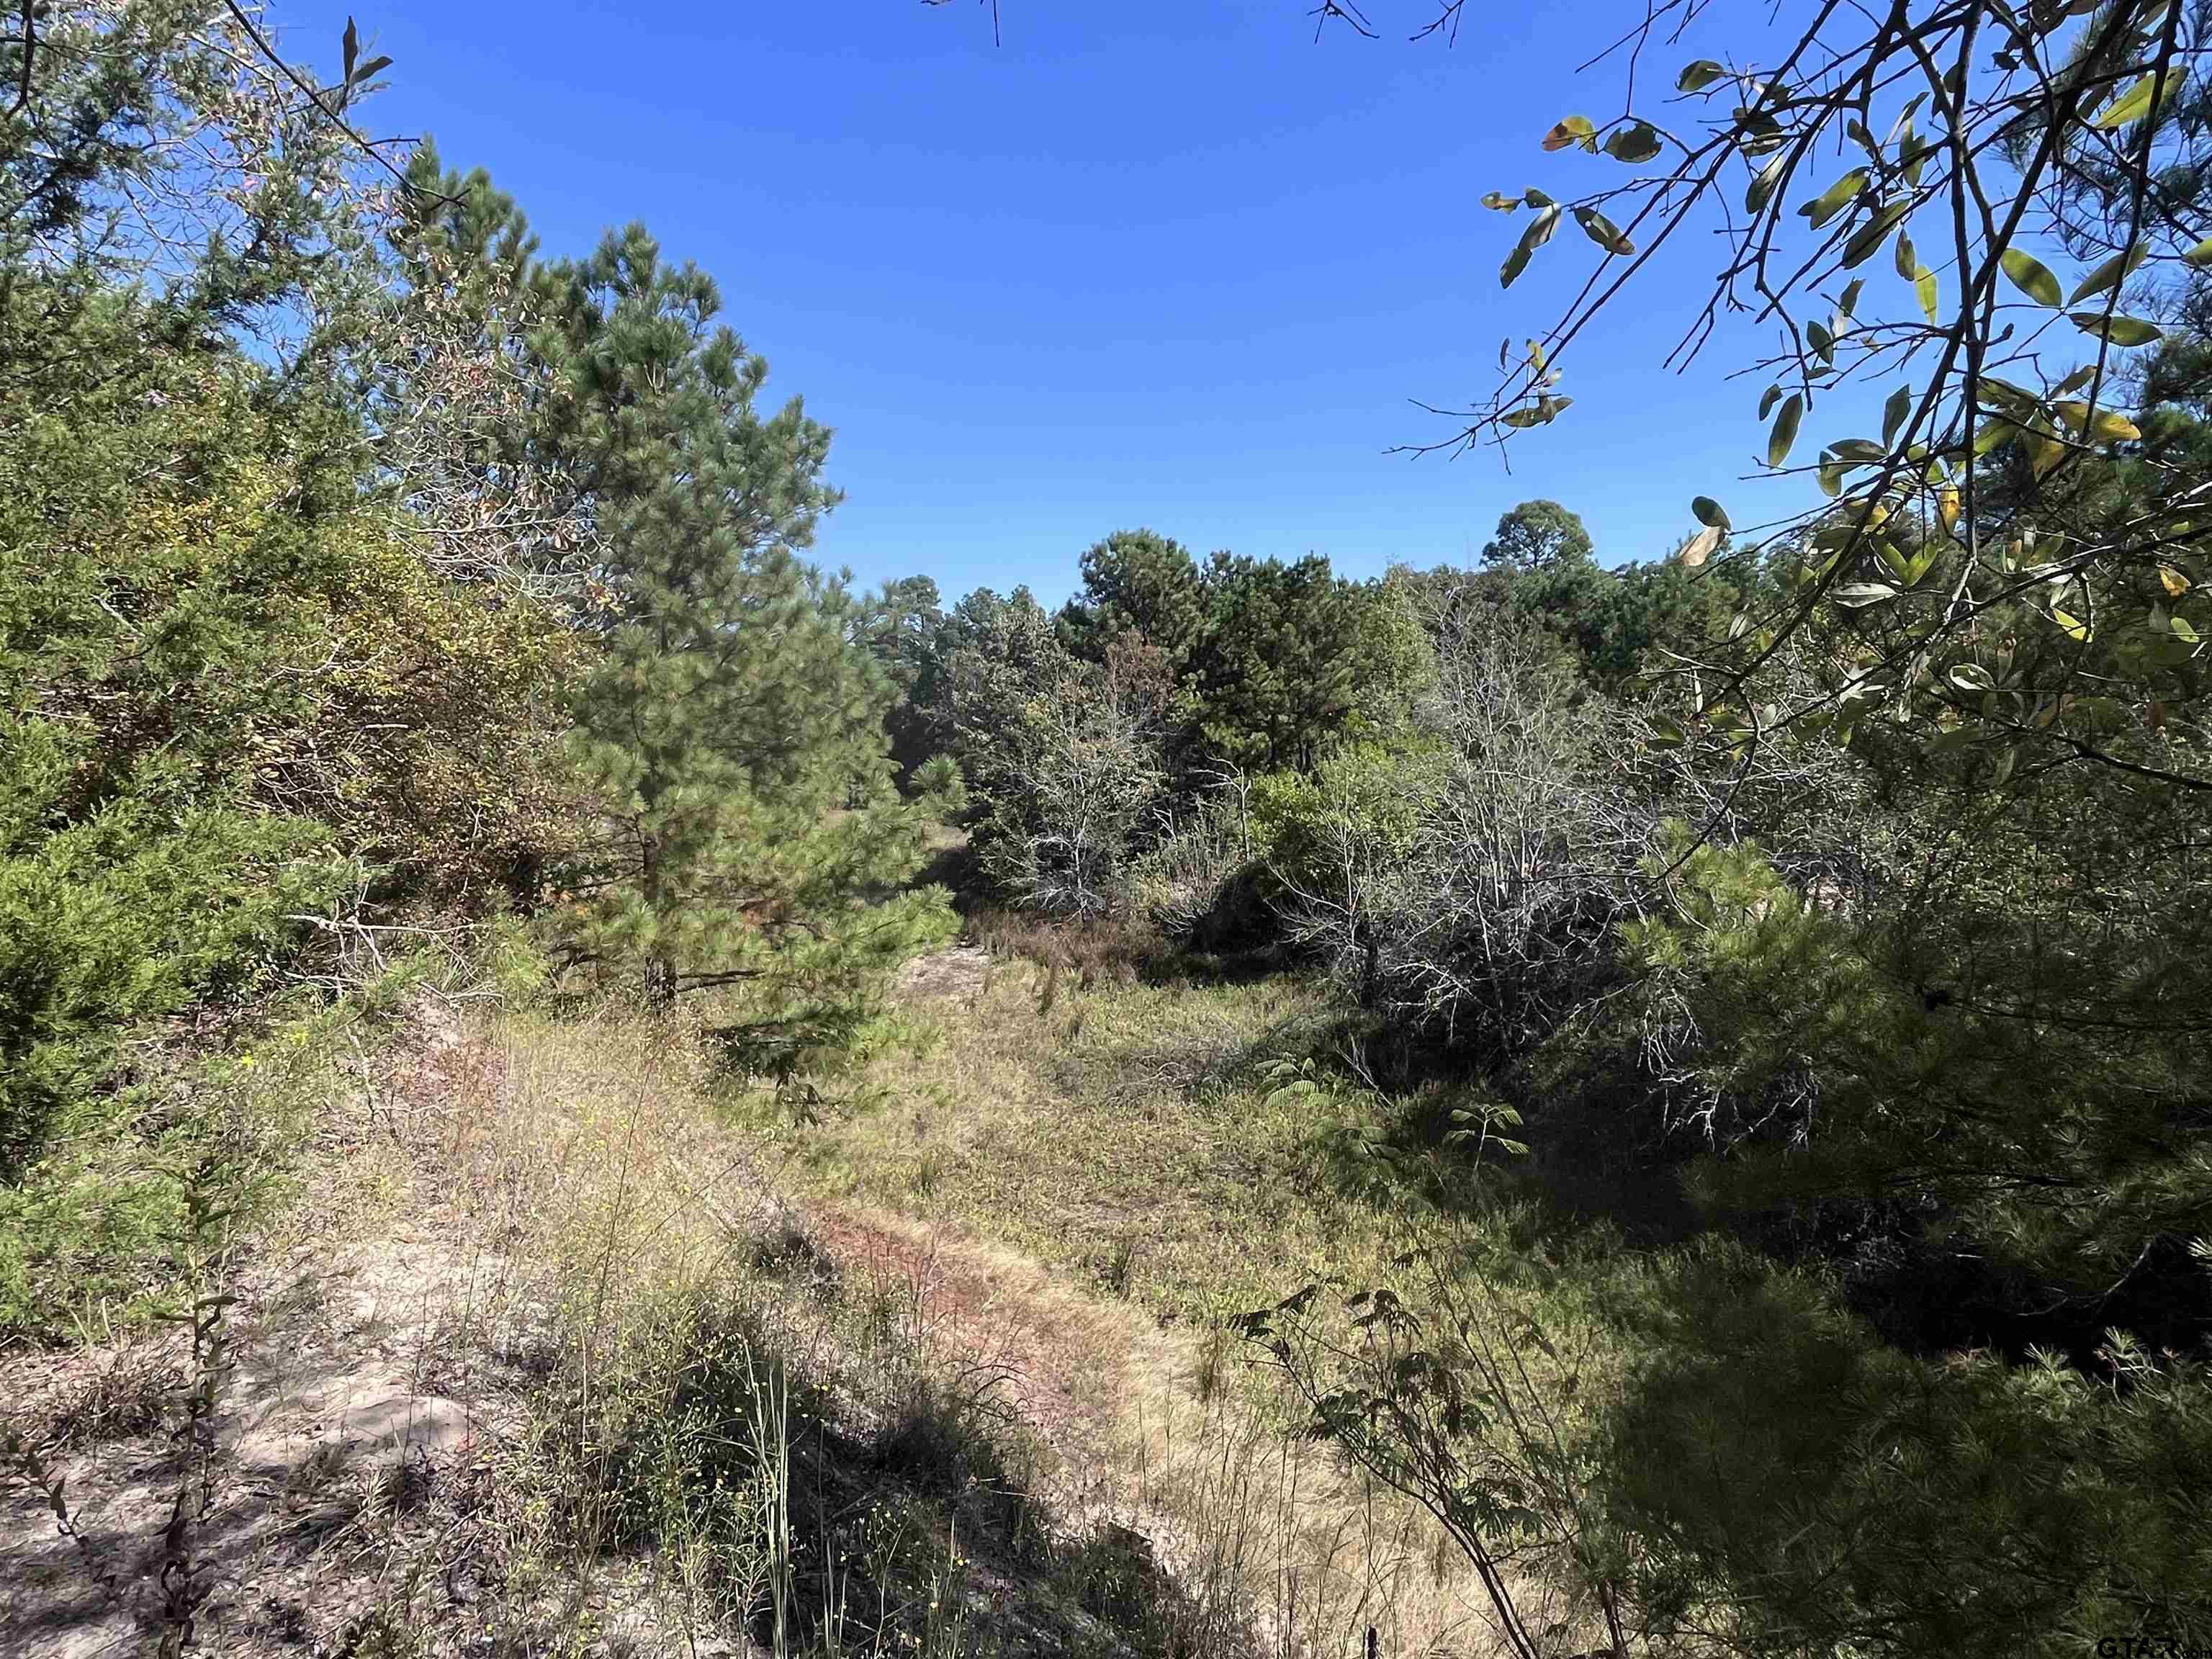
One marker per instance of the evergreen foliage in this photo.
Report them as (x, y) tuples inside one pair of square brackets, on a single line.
[(733, 725)]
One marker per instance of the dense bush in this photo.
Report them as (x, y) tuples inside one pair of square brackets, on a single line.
[(363, 576)]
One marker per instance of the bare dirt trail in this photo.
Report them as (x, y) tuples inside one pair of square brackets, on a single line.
[(340, 1400), (1073, 1365)]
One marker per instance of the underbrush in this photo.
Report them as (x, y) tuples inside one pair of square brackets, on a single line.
[(1141, 1137), (94, 1234)]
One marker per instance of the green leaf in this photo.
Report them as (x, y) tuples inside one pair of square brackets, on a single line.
[(1575, 129), (1538, 232), (1499, 202), (1998, 394), (1912, 156), (1869, 237), (1709, 513), (2130, 106), (1849, 305), (1602, 231), (2201, 255), (2031, 277), (1893, 413), (1924, 284), (1758, 132), (1542, 412), (1698, 76), (1634, 143), (1768, 399), (2120, 330), (1834, 199), (1761, 189), (1822, 342), (1785, 429)]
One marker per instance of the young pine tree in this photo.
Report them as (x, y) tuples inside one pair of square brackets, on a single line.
[(753, 835)]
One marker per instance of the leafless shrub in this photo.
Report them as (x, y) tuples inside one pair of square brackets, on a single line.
[(1202, 845), (1090, 774), (1478, 884), (1486, 887)]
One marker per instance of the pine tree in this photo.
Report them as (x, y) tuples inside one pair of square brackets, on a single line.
[(754, 836)]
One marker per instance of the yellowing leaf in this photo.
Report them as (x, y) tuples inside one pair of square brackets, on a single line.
[(1947, 507), (1575, 129), (1924, 283), (2107, 426), (1699, 548), (2130, 106), (2075, 629), (2110, 274), (2120, 330), (2173, 581)]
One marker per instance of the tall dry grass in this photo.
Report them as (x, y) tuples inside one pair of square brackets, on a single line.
[(1127, 1134)]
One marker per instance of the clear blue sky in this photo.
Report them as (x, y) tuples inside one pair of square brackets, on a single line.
[(1157, 262)]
